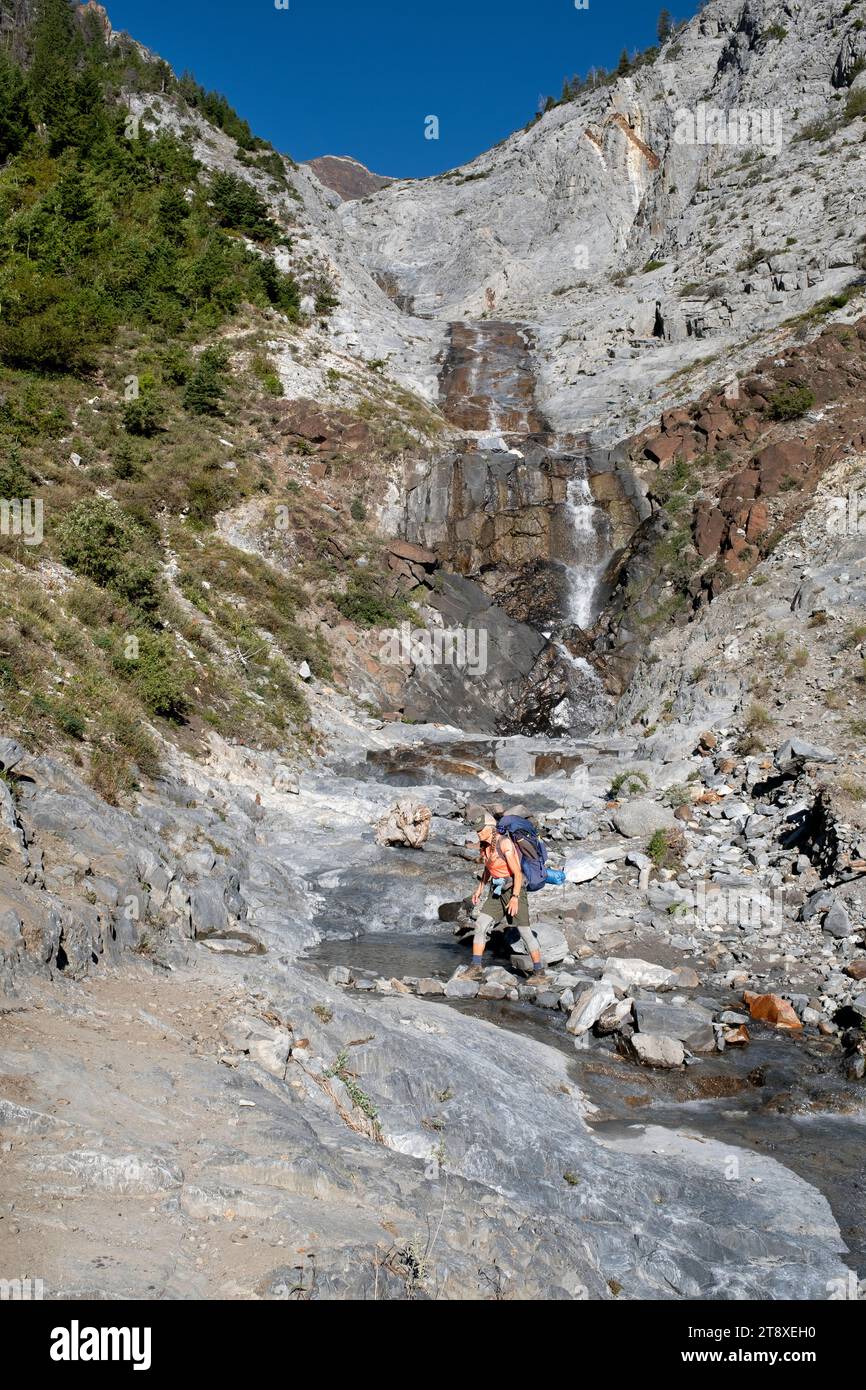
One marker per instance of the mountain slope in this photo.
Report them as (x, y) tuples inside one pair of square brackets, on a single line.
[(606, 222)]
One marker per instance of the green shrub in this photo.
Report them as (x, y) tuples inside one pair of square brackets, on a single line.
[(155, 675), (631, 783), (103, 543), (856, 104), (365, 603), (204, 390), (141, 416), (665, 848), (790, 402), (263, 368), (72, 722), (15, 479)]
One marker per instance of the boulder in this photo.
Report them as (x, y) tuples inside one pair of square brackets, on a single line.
[(459, 988), (736, 1037), (656, 1050), (672, 1020), (796, 751), (709, 529), (772, 1008), (582, 868), (551, 940), (837, 922), (414, 554), (640, 819), (815, 904), (590, 1007), (614, 1017), (405, 824), (491, 991), (272, 1054), (11, 754), (638, 973), (780, 464)]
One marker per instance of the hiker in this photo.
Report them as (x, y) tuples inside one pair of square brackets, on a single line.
[(507, 900)]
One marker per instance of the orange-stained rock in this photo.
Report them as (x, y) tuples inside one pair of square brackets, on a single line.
[(406, 550), (758, 521), (662, 447), (772, 1008), (737, 1037), (710, 527), (781, 466)]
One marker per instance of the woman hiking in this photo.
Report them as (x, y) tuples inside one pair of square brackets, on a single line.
[(507, 900)]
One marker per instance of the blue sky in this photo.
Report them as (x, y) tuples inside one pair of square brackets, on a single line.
[(360, 77)]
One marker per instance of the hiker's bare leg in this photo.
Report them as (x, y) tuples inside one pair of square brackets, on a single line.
[(530, 941), (527, 935), (483, 927)]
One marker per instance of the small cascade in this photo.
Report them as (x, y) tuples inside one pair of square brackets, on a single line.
[(590, 533)]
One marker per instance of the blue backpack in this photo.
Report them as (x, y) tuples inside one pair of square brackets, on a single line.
[(532, 850)]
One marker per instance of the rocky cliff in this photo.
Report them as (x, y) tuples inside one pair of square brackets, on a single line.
[(667, 216)]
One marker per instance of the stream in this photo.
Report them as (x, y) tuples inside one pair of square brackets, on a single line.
[(782, 1096)]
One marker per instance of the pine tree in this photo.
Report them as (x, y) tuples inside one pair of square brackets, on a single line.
[(15, 124), (56, 48), (665, 25), (624, 64)]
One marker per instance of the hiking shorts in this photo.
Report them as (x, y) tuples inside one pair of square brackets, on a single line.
[(493, 915), (495, 905)]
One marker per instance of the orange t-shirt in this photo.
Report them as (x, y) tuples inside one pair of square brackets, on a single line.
[(501, 858)]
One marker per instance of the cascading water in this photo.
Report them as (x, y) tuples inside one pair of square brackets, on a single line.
[(591, 544), (487, 389), (587, 705)]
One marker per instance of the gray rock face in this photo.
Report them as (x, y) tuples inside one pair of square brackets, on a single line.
[(470, 698), (639, 189), (134, 1173), (11, 754)]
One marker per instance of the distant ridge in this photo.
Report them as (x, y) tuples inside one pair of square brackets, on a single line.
[(347, 177)]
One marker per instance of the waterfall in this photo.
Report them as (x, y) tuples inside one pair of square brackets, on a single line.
[(591, 546)]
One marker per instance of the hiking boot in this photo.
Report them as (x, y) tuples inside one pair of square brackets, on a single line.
[(473, 972)]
